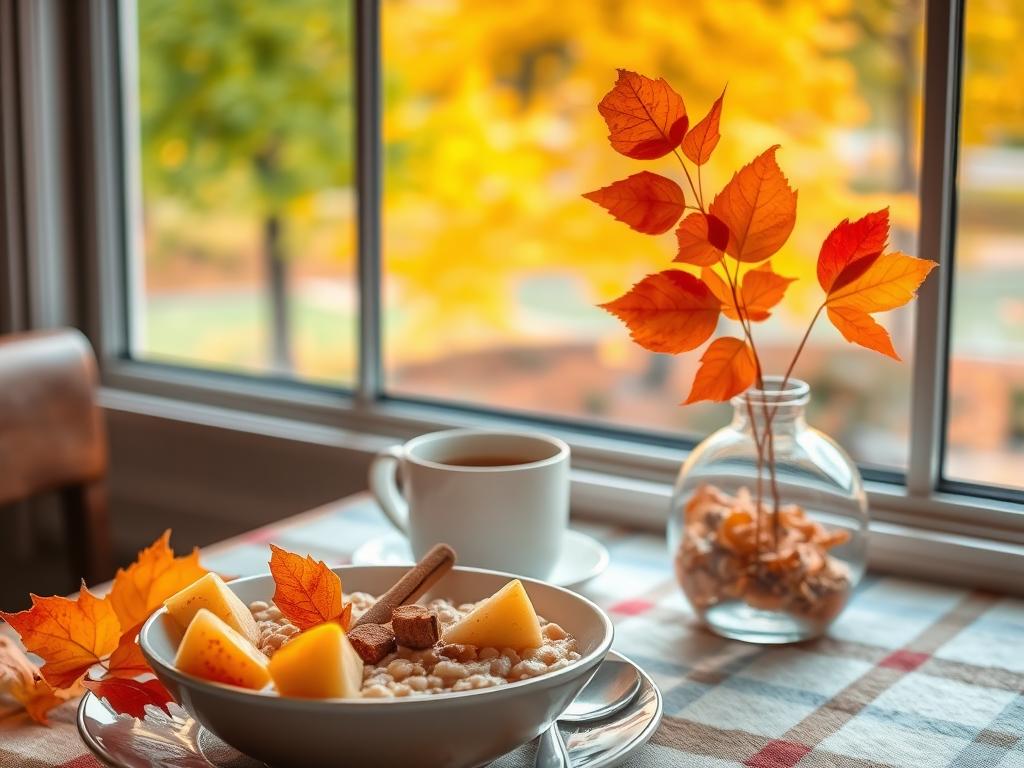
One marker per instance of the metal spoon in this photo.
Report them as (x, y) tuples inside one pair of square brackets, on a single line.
[(611, 688)]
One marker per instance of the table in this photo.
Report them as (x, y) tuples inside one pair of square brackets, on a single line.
[(912, 675)]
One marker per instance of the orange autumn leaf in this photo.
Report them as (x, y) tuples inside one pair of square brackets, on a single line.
[(345, 620), (306, 590), (668, 312), (758, 207), (127, 659), (130, 697), (647, 202), (69, 635), (20, 679), (760, 290), (851, 248), (727, 368), (702, 139), (889, 281), (155, 575), (860, 328), (646, 118), (702, 240)]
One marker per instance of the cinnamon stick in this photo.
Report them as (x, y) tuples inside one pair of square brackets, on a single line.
[(408, 589)]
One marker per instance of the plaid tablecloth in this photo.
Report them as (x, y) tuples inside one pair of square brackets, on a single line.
[(912, 675)]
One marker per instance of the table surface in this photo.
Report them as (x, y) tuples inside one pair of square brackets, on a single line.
[(911, 675)]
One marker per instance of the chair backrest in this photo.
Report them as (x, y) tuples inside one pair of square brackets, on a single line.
[(51, 428)]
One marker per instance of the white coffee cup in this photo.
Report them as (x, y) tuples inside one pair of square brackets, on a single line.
[(500, 499)]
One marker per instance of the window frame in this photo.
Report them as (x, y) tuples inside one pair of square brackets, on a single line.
[(608, 462)]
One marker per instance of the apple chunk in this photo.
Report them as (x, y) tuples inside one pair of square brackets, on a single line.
[(506, 619), (210, 592), (318, 664), (214, 651)]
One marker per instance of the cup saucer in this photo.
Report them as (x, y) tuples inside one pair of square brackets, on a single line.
[(583, 557)]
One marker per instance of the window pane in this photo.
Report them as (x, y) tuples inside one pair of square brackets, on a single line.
[(494, 263), (986, 397), (245, 135)]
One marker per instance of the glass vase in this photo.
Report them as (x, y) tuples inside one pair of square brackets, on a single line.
[(768, 526)]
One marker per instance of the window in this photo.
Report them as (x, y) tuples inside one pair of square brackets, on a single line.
[(494, 264), (986, 395), (245, 127), (479, 293)]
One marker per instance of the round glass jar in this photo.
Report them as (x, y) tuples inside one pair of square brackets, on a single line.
[(768, 556)]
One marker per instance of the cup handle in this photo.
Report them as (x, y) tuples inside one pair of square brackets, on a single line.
[(384, 486)]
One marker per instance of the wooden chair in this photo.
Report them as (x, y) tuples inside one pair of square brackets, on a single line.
[(52, 437)]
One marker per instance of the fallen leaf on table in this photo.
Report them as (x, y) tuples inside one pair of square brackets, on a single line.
[(307, 592), (20, 679), (70, 635), (127, 660), (155, 575), (646, 118), (130, 697)]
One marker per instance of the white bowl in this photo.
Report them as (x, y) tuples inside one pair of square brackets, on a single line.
[(467, 728)]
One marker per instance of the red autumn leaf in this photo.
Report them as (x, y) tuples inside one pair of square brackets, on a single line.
[(758, 207), (727, 368), (155, 575), (702, 139), (702, 240), (668, 312), (130, 697), (306, 590), (127, 659), (860, 328), (647, 202), (851, 248), (646, 118), (69, 635)]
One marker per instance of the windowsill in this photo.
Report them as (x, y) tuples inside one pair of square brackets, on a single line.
[(611, 481)]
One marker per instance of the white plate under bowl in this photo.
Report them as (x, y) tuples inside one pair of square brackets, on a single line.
[(583, 557), (451, 730), (161, 740)]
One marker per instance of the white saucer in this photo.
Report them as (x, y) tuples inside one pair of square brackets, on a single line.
[(583, 557)]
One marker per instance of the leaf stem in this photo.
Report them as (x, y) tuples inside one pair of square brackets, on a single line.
[(689, 179)]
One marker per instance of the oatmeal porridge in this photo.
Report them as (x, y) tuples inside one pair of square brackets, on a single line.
[(438, 669)]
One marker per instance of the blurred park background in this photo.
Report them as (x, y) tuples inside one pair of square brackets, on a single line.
[(492, 261)]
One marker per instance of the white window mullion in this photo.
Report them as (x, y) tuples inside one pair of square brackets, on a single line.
[(935, 239), (368, 196)]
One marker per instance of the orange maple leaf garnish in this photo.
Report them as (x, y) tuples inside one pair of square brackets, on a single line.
[(646, 118), (20, 678), (155, 575), (647, 202), (727, 368), (70, 635), (306, 591), (890, 281), (668, 312), (851, 248), (759, 208), (702, 139)]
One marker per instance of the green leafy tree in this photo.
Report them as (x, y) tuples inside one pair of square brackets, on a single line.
[(247, 105)]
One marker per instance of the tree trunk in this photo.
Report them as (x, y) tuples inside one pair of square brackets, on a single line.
[(277, 284)]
